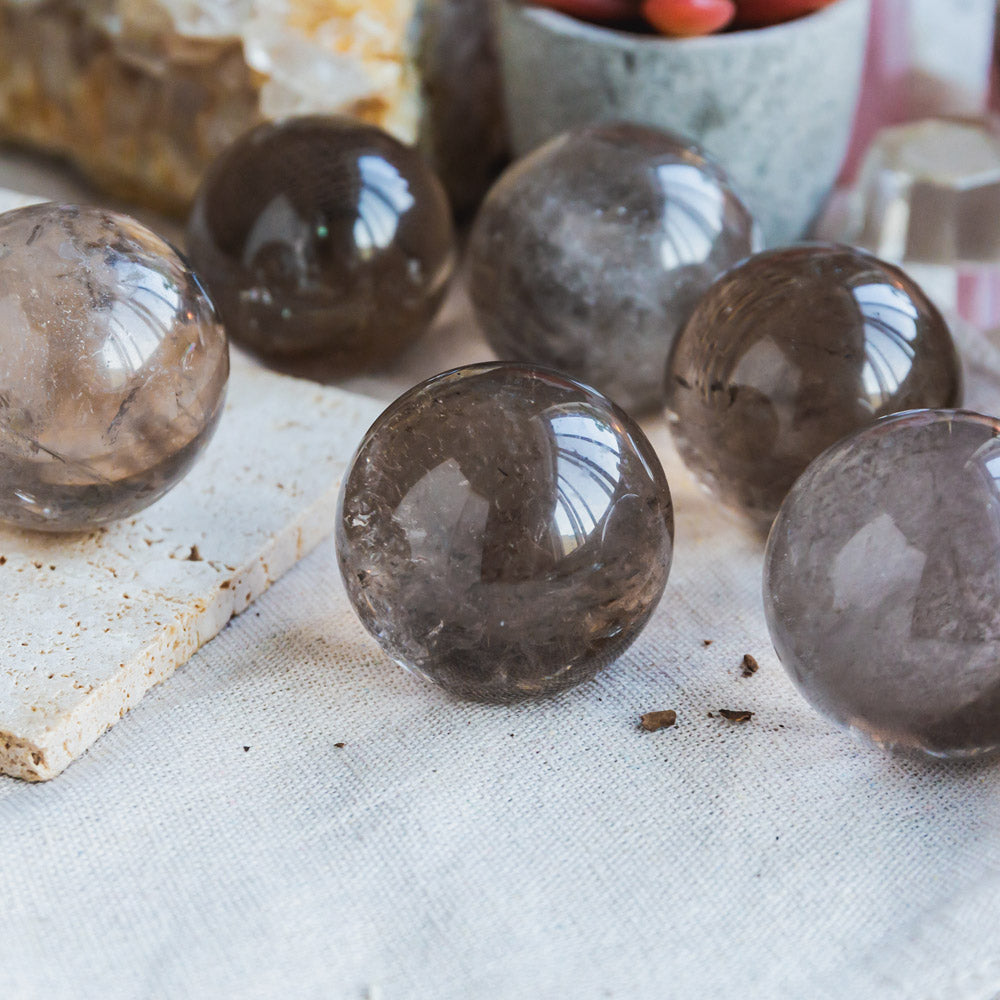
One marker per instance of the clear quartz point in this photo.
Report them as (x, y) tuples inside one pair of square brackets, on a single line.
[(928, 198)]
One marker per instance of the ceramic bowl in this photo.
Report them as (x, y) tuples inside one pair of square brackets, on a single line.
[(773, 105)]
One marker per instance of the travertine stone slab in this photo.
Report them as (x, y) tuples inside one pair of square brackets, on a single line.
[(91, 622)]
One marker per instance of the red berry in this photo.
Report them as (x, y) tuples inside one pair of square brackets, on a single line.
[(600, 11), (688, 17), (758, 13)]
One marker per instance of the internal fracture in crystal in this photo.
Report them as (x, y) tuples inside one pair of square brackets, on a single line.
[(790, 351), (589, 254), (504, 531), (323, 236), (882, 582), (113, 367)]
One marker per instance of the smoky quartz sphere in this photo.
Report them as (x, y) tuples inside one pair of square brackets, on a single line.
[(504, 531), (113, 367), (882, 582), (590, 254), (790, 351), (323, 236)]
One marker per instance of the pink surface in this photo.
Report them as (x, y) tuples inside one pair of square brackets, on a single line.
[(884, 89)]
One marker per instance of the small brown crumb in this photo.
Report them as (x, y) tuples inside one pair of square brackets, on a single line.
[(736, 715), (246, 749), (652, 721), (194, 555), (707, 642), (750, 665), (340, 746)]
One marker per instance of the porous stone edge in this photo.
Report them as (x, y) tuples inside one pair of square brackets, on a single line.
[(194, 624)]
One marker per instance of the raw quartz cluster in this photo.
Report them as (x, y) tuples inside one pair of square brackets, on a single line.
[(306, 51), (145, 94)]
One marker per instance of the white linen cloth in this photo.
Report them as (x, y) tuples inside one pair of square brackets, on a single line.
[(218, 843)]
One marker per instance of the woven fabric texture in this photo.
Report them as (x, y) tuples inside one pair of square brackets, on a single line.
[(219, 843)]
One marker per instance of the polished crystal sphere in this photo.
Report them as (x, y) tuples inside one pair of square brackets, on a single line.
[(882, 582), (790, 351), (113, 367), (589, 254), (504, 531), (323, 236)]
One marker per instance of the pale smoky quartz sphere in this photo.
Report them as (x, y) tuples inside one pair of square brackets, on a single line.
[(504, 531), (882, 582), (589, 254), (113, 367), (791, 350), (324, 238)]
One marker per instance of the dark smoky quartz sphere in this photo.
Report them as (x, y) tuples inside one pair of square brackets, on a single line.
[(882, 582), (504, 531), (589, 254), (113, 367), (787, 353), (323, 236)]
